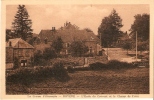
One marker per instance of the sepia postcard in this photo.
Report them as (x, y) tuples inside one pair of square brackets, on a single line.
[(77, 49)]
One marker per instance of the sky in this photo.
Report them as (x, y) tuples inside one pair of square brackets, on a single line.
[(84, 16)]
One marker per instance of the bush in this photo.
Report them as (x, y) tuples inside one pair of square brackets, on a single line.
[(111, 65), (59, 72), (70, 69), (49, 54), (115, 64), (43, 72), (81, 69), (23, 76), (28, 76), (97, 66)]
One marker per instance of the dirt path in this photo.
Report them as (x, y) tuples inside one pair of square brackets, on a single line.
[(118, 54)]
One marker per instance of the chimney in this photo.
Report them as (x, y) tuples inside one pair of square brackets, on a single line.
[(66, 23), (53, 28)]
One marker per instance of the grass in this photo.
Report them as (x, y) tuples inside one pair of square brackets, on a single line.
[(125, 81)]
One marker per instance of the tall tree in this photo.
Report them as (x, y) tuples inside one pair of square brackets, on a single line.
[(22, 24), (57, 44), (141, 26), (9, 34), (109, 30)]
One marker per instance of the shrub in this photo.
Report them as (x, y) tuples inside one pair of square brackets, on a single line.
[(49, 54), (23, 76), (28, 76), (81, 69), (78, 49), (111, 65), (59, 72), (43, 72), (97, 66), (38, 56), (70, 69), (115, 64)]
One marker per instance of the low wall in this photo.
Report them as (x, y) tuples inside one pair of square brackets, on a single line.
[(81, 60)]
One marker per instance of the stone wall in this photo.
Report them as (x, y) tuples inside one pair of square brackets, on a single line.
[(24, 54), (81, 60), (9, 54)]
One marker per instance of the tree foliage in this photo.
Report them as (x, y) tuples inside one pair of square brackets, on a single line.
[(78, 48), (141, 26), (32, 40), (21, 26), (9, 34), (127, 45), (142, 46), (109, 30), (49, 54), (38, 57), (88, 30), (57, 44)]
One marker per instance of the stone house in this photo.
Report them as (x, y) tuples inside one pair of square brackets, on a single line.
[(122, 39), (21, 50), (70, 33)]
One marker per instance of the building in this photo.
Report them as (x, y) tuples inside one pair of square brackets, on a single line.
[(122, 39), (21, 50), (70, 33)]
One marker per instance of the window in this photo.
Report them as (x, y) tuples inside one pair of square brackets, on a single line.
[(67, 45), (23, 63)]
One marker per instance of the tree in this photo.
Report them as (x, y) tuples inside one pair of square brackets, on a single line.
[(32, 40), (142, 46), (49, 54), (9, 34), (109, 30), (38, 56), (21, 26), (88, 30), (57, 45), (127, 45), (78, 48), (141, 26)]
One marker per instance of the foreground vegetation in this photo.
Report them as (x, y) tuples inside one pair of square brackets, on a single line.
[(121, 79)]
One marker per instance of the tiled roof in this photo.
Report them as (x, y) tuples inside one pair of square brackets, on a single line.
[(68, 34), (18, 43)]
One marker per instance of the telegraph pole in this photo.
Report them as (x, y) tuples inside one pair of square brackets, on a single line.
[(136, 45)]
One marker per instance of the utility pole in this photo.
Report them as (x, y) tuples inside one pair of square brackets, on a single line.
[(136, 45), (101, 39)]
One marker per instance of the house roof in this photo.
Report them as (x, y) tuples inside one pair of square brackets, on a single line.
[(68, 36), (124, 36), (18, 43), (68, 33)]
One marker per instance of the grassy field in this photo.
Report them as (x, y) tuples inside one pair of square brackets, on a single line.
[(124, 81)]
